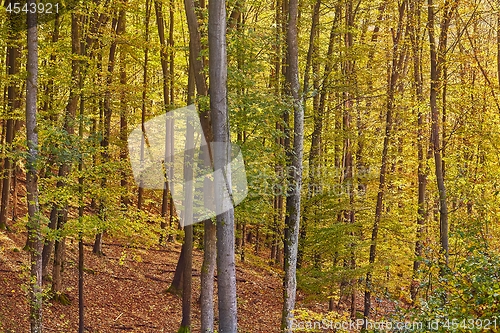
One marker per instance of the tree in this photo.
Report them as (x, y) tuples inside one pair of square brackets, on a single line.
[(117, 26), (292, 219), (196, 67), (188, 229), (422, 140), (226, 268), (65, 167), (140, 194), (437, 61), (13, 54), (166, 197), (34, 223), (398, 56)]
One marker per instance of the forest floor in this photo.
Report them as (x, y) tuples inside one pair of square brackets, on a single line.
[(125, 290)]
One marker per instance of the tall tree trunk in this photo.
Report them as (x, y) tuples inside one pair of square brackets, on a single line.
[(422, 140), (13, 103), (140, 196), (108, 112), (81, 211), (292, 220), (395, 71), (226, 269), (187, 272), (34, 230), (209, 254), (188, 228), (49, 243), (317, 120), (166, 80), (171, 52), (437, 60), (65, 168), (347, 159), (125, 197), (278, 168)]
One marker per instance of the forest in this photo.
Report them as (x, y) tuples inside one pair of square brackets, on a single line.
[(337, 166)]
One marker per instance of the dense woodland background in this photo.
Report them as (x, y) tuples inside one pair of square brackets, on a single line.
[(400, 183)]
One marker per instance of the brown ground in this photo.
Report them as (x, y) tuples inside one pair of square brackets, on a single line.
[(125, 291)]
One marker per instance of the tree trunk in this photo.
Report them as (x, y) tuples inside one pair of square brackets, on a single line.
[(395, 70), (171, 50), (81, 207), (292, 220), (13, 102), (125, 197), (187, 278), (348, 215), (316, 135), (437, 59), (226, 269), (188, 228), (209, 254), (422, 140), (34, 230), (140, 196), (207, 278), (65, 168), (278, 196), (166, 80), (108, 112)]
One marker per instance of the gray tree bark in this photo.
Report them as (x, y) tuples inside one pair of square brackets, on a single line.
[(188, 229), (34, 232), (209, 253), (226, 268), (292, 220)]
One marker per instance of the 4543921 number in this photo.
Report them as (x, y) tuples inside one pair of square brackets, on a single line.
[(40, 8)]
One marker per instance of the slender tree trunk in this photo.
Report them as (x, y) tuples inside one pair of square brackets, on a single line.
[(34, 230), (207, 278), (13, 102), (209, 255), (422, 140), (348, 164), (188, 228), (140, 196), (177, 281), (166, 80), (81, 207), (124, 184), (226, 269), (276, 231), (187, 278), (65, 168), (437, 58), (316, 135), (108, 112), (171, 51), (292, 220), (395, 71)]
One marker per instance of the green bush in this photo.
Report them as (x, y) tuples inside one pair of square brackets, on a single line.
[(465, 299)]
